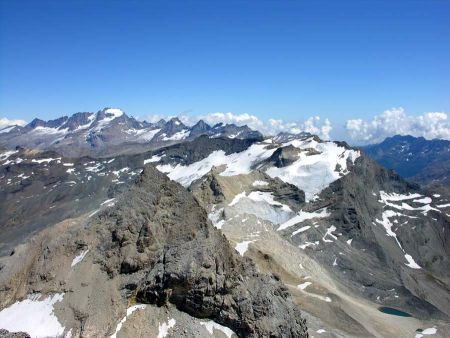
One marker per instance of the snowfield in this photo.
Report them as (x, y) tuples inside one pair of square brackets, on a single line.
[(262, 205), (303, 216), (312, 172)]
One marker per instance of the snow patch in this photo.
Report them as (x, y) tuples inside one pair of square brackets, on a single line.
[(443, 205), (118, 172), (33, 316), (307, 244), (109, 203), (387, 224), (46, 160), (304, 285), (79, 258), (154, 158), (95, 168), (425, 200), (426, 332), (47, 130), (115, 112), (242, 247), (214, 217), (262, 205), (165, 327), (4, 156), (302, 229), (260, 196), (385, 197), (411, 263), (211, 326), (7, 129), (237, 198), (130, 310), (329, 233), (181, 135), (303, 216), (260, 183)]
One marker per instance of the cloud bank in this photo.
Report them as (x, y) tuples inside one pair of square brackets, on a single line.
[(313, 125), (395, 121), (4, 122)]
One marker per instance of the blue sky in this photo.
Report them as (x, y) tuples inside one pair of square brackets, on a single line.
[(275, 59)]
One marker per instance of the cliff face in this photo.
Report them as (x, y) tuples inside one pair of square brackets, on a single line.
[(161, 237)]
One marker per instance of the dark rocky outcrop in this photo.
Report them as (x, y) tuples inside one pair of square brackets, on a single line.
[(159, 239), (196, 150), (284, 156)]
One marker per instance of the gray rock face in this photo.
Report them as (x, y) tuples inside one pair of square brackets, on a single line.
[(39, 189), (200, 128), (284, 156), (159, 240), (357, 214)]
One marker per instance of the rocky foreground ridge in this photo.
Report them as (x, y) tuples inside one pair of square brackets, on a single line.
[(156, 246)]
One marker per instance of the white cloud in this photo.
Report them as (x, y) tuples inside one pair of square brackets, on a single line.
[(154, 118), (395, 121), (239, 119), (313, 125), (4, 122)]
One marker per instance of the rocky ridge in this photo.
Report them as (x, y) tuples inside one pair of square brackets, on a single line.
[(111, 132), (156, 246)]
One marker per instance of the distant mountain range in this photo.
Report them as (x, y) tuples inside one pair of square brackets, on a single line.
[(111, 132), (414, 158)]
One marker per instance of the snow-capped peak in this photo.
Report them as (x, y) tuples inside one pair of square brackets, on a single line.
[(114, 111)]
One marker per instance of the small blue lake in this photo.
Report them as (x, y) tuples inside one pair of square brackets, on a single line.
[(394, 312)]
